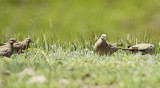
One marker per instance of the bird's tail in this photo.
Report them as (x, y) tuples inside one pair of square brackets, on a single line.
[(126, 49), (123, 49), (118, 49)]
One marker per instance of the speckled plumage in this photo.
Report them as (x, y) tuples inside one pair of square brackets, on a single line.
[(19, 46), (6, 49), (144, 48), (103, 48)]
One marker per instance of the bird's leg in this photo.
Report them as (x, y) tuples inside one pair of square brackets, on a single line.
[(20, 51), (26, 48)]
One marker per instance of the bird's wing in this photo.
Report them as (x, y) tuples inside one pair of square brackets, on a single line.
[(2, 44), (17, 44), (112, 46), (4, 50), (141, 47)]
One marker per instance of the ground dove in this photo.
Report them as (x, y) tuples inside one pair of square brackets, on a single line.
[(19, 46), (6, 49), (103, 48), (144, 48)]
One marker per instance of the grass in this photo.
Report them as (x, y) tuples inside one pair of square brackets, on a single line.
[(82, 68), (64, 34)]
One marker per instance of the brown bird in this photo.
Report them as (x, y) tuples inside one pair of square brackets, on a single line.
[(6, 49), (19, 46), (103, 48), (144, 48)]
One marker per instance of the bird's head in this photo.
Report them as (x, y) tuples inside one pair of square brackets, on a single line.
[(28, 40), (103, 37), (12, 40)]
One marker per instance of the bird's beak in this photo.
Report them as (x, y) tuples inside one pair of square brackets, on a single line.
[(14, 41)]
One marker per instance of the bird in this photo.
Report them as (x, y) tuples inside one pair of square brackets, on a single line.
[(22, 45), (145, 48), (103, 48), (6, 49)]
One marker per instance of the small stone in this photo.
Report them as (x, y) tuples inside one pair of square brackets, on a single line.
[(37, 79)]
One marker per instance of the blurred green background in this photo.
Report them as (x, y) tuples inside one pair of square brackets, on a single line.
[(76, 20)]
